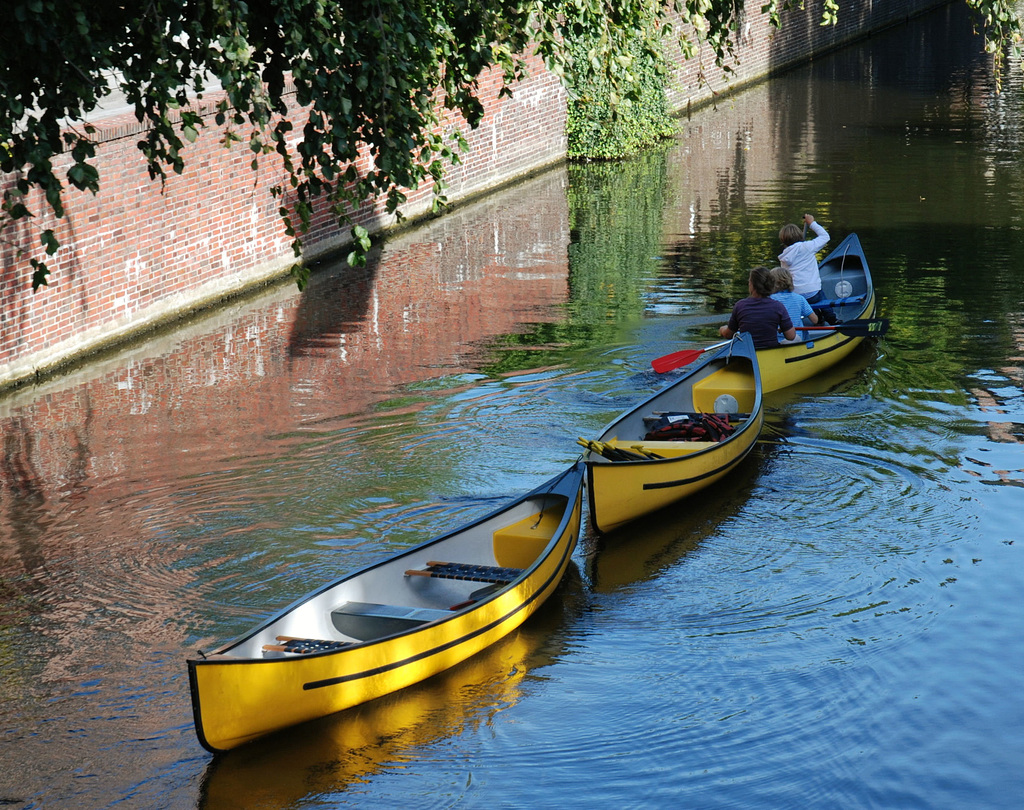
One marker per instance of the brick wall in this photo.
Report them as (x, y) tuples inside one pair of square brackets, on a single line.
[(136, 254), (764, 50)]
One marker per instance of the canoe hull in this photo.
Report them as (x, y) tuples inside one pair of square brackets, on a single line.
[(239, 696), (622, 491), (628, 490), (844, 275)]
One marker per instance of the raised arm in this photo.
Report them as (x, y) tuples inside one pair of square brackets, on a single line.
[(820, 234)]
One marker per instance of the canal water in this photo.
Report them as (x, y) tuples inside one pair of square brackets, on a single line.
[(837, 624)]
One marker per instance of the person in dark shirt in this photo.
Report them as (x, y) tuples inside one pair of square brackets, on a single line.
[(760, 315)]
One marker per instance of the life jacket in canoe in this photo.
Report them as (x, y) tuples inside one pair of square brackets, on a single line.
[(690, 427)]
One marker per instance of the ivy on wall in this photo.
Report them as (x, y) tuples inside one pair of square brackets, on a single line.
[(600, 125)]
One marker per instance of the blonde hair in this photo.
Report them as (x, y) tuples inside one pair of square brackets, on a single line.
[(790, 235), (782, 280)]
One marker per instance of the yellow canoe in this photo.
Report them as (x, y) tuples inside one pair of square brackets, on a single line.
[(846, 282), (621, 489), (391, 624)]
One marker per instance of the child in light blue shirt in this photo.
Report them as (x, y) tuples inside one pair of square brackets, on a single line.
[(796, 305)]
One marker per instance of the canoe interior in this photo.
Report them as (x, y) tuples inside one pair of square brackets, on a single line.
[(398, 595), (845, 275), (723, 385)]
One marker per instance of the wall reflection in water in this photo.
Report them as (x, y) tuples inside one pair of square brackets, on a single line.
[(103, 509)]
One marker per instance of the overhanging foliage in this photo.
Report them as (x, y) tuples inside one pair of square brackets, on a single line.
[(369, 75)]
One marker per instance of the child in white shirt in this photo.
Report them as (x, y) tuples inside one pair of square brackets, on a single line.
[(799, 257)]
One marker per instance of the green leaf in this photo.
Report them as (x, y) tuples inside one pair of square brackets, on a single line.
[(49, 241), (40, 272), (299, 272), (84, 177), (17, 211)]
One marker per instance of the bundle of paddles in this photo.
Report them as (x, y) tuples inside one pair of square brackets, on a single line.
[(673, 427), (690, 427)]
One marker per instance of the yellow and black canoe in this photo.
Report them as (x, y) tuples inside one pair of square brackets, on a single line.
[(391, 624), (848, 288), (631, 473)]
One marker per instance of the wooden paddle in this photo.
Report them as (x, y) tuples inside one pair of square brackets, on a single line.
[(863, 327)]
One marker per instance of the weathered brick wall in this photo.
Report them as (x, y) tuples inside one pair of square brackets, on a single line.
[(137, 254)]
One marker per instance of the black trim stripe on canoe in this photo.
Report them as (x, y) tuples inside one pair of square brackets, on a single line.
[(820, 352), (718, 471)]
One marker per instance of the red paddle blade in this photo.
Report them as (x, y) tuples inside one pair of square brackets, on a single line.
[(682, 358), (675, 360)]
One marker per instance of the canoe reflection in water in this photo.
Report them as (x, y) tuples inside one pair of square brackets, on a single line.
[(643, 550), (334, 753)]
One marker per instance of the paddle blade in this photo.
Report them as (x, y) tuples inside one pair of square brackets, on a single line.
[(865, 327), (682, 358), (675, 360)]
